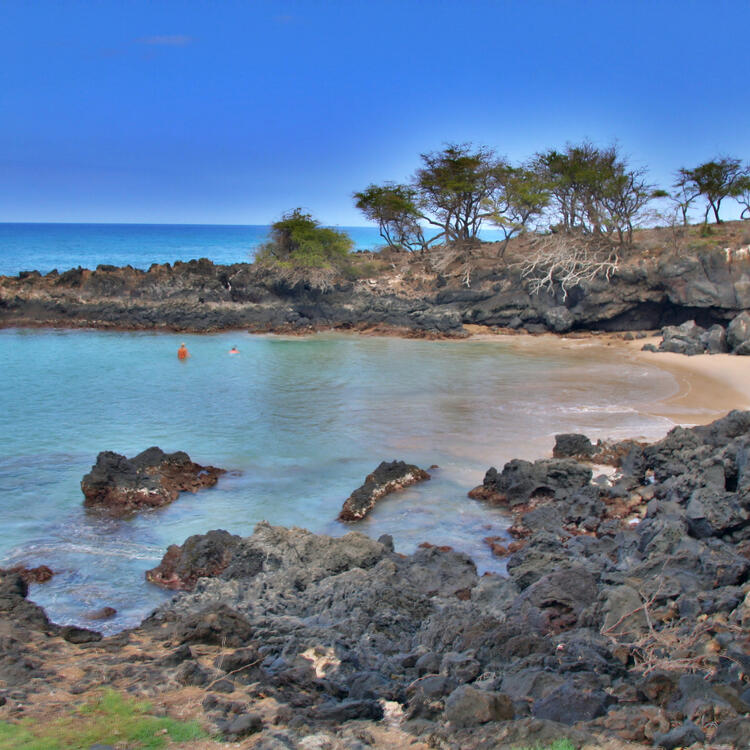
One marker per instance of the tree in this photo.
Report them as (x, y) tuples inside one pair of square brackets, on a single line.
[(743, 194), (625, 200), (724, 177), (593, 190), (453, 186), (520, 196), (744, 200), (683, 193), (394, 209), (298, 240)]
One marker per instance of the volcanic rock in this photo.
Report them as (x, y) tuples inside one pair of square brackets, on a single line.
[(387, 478), (40, 574), (151, 479), (201, 555), (520, 481)]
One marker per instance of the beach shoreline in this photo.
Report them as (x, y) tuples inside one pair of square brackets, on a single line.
[(706, 385)]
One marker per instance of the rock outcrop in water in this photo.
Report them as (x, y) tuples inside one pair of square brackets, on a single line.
[(389, 476), (624, 619), (120, 485), (408, 294)]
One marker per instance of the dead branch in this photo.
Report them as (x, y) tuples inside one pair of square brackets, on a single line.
[(567, 261)]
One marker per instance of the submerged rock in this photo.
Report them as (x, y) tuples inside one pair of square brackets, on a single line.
[(40, 574), (387, 478), (121, 485)]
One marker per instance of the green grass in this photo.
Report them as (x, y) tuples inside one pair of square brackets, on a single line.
[(562, 744), (108, 720)]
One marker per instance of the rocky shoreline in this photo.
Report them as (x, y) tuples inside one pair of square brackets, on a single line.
[(623, 621), (407, 295)]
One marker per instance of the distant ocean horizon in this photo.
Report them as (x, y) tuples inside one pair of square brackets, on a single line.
[(45, 247)]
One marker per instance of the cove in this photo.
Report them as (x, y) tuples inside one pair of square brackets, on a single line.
[(298, 422)]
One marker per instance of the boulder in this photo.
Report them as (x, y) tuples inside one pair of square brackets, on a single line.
[(714, 340), (120, 485), (683, 339), (556, 601), (733, 733), (559, 319), (738, 331), (572, 445), (466, 706), (73, 634), (569, 704), (200, 556), (217, 624), (387, 478), (244, 725), (682, 736), (520, 481), (349, 710)]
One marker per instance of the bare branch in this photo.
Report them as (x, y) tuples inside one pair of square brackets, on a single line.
[(567, 261)]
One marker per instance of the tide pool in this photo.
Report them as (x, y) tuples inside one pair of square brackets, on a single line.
[(298, 422)]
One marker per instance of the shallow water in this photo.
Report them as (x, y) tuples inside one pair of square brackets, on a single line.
[(299, 422)]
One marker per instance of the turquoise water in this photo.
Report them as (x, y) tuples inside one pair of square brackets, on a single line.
[(298, 422), (44, 247)]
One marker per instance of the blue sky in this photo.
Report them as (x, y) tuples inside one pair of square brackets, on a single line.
[(233, 112)]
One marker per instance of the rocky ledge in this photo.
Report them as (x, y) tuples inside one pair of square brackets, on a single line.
[(388, 477), (120, 485), (413, 294), (623, 621)]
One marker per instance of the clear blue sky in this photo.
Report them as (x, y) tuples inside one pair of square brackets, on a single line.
[(232, 112)]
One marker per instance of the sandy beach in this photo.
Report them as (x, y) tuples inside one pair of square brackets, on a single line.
[(707, 386), (713, 383)]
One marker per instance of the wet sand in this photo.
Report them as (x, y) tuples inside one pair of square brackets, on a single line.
[(707, 386)]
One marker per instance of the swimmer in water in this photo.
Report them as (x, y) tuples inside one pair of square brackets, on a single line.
[(234, 350), (182, 352)]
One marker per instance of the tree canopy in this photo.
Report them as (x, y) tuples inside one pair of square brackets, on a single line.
[(583, 189), (593, 190), (723, 177), (455, 190), (394, 209)]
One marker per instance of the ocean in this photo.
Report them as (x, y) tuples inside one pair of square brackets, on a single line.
[(298, 422), (44, 247)]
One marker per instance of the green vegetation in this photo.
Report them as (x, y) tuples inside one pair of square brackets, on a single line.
[(582, 190), (593, 190), (561, 744), (108, 720), (715, 180), (394, 209), (298, 241)]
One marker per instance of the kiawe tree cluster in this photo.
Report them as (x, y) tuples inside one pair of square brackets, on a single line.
[(588, 197), (454, 192), (715, 180), (582, 190)]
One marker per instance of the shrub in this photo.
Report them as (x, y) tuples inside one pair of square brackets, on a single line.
[(298, 240)]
